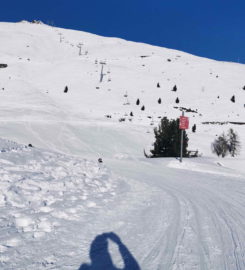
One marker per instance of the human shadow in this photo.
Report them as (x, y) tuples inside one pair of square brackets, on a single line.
[(100, 256)]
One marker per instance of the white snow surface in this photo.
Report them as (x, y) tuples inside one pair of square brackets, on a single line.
[(43, 198), (55, 198)]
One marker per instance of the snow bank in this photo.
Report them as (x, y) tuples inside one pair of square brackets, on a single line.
[(42, 194)]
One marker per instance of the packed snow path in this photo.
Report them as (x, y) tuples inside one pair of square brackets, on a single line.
[(169, 216), (194, 220)]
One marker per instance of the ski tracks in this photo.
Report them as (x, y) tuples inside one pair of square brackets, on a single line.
[(196, 222)]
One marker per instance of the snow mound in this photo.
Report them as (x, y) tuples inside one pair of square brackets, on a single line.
[(43, 194), (7, 146)]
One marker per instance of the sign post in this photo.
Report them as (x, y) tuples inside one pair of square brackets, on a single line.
[(183, 124)]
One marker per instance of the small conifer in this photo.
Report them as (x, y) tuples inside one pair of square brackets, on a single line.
[(174, 88), (66, 89), (233, 143), (194, 127), (233, 99)]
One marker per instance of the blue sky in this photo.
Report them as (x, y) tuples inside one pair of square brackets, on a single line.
[(211, 28)]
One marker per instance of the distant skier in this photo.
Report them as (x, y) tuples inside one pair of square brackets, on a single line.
[(100, 256)]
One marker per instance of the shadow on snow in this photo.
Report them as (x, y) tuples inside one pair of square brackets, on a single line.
[(100, 256)]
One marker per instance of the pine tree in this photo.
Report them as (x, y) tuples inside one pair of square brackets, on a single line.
[(158, 85), (177, 100), (143, 108), (159, 101), (66, 89), (243, 87), (174, 88), (194, 127), (233, 143), (131, 114), (167, 139), (137, 102), (233, 99)]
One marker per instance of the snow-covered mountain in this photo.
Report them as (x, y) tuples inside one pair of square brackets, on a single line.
[(72, 95), (42, 60)]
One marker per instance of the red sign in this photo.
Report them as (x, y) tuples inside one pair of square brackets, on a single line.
[(183, 122)]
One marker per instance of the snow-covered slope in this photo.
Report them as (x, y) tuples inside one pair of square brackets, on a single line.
[(54, 202), (40, 66)]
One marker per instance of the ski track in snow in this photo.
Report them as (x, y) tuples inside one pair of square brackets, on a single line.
[(197, 222)]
